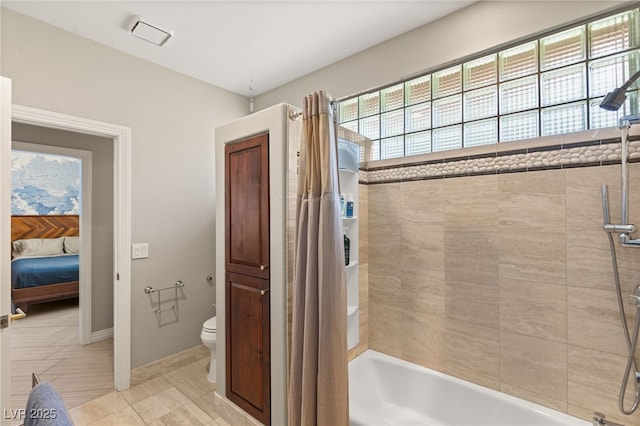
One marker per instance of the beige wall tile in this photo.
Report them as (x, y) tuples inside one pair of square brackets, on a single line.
[(534, 309), (589, 259), (593, 320), (531, 209), (472, 352), (471, 248), (534, 397), (628, 267), (540, 182), (178, 360), (422, 247), (423, 202), (533, 254), (594, 384), (363, 276), (385, 308), (423, 339), (534, 365), (363, 222), (384, 244), (471, 201), (584, 196), (384, 204), (422, 291), (471, 283), (472, 297), (146, 372)]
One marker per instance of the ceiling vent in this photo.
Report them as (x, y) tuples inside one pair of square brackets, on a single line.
[(146, 30)]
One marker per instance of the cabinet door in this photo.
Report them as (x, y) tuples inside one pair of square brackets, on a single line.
[(247, 206), (248, 348)]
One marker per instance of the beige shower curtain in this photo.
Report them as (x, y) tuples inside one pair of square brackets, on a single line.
[(318, 381)]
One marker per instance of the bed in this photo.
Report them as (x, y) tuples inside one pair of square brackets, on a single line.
[(45, 259)]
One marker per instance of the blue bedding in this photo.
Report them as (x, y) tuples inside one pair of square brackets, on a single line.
[(37, 271)]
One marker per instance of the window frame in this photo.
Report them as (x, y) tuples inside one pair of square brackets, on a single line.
[(587, 100)]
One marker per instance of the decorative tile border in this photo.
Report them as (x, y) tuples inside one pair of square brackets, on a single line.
[(576, 154)]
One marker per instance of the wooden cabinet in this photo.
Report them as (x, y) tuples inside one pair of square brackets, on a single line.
[(248, 361), (248, 366), (247, 206)]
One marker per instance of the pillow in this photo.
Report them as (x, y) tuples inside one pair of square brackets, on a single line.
[(72, 245), (38, 247)]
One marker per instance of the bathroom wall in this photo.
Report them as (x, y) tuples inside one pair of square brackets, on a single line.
[(476, 28), (172, 119), (494, 268)]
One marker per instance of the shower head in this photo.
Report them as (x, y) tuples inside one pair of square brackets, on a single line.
[(614, 99)]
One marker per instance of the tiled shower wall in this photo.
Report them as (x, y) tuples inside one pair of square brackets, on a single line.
[(505, 279)]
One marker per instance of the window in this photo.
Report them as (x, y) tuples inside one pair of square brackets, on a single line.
[(548, 86)]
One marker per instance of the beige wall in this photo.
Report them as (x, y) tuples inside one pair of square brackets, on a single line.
[(102, 210), (481, 26), (172, 119), (505, 280)]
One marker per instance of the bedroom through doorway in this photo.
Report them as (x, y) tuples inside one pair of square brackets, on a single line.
[(68, 338)]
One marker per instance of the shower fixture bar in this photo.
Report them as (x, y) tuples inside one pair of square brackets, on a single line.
[(618, 229), (625, 229)]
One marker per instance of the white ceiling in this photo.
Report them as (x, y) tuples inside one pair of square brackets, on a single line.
[(247, 47)]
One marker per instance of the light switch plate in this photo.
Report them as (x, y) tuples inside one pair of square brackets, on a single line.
[(140, 251)]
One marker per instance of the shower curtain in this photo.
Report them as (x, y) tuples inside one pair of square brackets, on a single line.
[(318, 380)]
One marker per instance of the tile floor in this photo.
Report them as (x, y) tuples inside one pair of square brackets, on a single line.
[(173, 391), (183, 396), (46, 341)]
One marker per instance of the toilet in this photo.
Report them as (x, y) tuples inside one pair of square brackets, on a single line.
[(208, 337)]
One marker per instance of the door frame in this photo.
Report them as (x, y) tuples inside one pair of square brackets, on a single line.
[(121, 137), (85, 335), (5, 239)]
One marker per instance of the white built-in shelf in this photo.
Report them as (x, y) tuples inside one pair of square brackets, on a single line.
[(348, 166)]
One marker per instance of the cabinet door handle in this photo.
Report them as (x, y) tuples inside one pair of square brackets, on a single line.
[(262, 267), (263, 292)]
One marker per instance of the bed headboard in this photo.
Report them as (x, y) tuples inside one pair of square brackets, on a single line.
[(49, 226)]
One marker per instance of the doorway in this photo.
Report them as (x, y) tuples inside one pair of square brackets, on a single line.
[(52, 185), (121, 138), (29, 151)]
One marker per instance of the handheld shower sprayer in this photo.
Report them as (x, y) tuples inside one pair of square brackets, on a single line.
[(631, 339)]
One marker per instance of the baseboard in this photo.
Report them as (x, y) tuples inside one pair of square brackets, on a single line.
[(105, 334)]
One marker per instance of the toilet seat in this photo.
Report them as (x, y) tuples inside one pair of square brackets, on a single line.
[(210, 325)]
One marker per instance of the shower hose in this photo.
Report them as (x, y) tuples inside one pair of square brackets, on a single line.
[(631, 343)]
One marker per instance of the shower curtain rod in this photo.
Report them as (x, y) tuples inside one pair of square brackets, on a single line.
[(295, 115)]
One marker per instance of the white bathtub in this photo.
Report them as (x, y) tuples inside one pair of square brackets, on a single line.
[(388, 391)]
